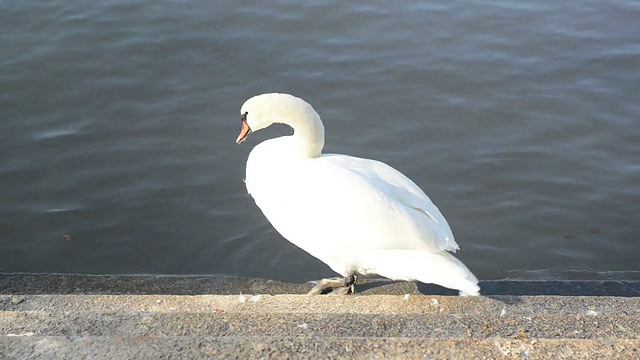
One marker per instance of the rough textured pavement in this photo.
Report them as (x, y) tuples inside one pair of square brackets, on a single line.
[(76, 316)]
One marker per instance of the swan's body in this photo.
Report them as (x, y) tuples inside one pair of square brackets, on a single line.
[(358, 216)]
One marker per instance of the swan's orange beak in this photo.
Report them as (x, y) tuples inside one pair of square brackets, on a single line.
[(245, 130)]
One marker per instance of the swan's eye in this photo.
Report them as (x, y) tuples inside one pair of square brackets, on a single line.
[(244, 116)]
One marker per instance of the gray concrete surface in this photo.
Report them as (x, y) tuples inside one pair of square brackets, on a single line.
[(77, 316), (294, 347), (220, 285)]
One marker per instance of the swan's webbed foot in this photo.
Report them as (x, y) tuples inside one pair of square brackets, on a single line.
[(334, 286)]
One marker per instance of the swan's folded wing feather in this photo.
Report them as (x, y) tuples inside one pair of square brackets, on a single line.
[(369, 202)]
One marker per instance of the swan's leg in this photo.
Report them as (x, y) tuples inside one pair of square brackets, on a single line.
[(337, 285)]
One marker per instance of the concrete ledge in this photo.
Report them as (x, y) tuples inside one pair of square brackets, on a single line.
[(374, 316), (18, 283), (45, 316), (294, 347)]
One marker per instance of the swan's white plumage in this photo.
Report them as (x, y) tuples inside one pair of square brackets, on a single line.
[(356, 215)]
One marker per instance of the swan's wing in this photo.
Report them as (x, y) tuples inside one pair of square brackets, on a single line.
[(393, 181), (401, 192), (351, 203)]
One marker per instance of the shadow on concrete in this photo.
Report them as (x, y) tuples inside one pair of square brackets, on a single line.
[(198, 285)]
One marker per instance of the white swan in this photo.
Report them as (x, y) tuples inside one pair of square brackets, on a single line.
[(358, 216)]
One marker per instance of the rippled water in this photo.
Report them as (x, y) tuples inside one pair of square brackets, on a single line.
[(521, 120)]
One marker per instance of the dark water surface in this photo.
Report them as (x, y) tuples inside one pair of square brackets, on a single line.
[(521, 120)]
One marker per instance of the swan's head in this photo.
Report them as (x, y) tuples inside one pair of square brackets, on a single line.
[(263, 110)]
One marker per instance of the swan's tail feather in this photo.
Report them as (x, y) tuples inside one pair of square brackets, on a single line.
[(439, 268)]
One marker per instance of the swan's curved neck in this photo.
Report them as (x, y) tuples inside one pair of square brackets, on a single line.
[(308, 134)]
